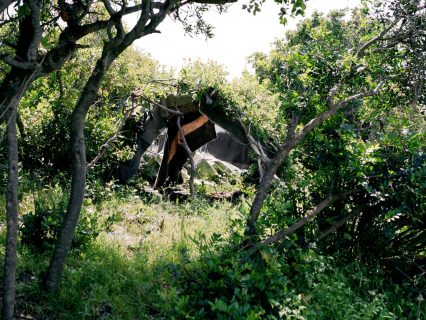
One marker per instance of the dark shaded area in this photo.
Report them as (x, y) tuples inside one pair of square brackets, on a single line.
[(175, 155)]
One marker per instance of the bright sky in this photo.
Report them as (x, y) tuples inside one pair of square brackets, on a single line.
[(237, 35)]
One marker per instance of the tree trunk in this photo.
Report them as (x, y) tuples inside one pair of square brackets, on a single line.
[(265, 183), (9, 277), (78, 158), (11, 91), (79, 170)]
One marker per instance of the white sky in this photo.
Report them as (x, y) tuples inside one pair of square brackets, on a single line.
[(237, 35)]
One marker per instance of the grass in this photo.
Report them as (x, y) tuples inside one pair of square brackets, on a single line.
[(148, 256), (120, 274)]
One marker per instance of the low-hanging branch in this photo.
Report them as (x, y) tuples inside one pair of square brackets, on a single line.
[(164, 108)]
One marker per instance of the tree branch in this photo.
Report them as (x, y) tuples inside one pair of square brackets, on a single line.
[(37, 31), (333, 108), (308, 217), (340, 223), (116, 134), (184, 144), (108, 7), (18, 64), (362, 51), (164, 108), (254, 144)]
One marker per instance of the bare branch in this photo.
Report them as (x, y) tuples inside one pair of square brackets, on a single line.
[(164, 108), (309, 216), (340, 223), (184, 144)]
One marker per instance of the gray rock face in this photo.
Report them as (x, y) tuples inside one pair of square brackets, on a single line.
[(225, 151)]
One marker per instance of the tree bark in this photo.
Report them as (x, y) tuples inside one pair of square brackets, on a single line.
[(265, 183), (14, 88), (9, 277), (79, 170)]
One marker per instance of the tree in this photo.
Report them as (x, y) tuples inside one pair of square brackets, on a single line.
[(31, 26), (329, 65), (118, 40)]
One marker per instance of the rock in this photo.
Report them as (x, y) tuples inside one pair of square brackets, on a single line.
[(226, 169), (205, 170), (185, 175)]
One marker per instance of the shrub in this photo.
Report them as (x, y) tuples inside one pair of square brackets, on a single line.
[(39, 228)]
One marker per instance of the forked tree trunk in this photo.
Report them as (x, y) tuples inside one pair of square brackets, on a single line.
[(9, 277), (265, 184)]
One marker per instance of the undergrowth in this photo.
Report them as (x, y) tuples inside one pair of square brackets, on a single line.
[(168, 260)]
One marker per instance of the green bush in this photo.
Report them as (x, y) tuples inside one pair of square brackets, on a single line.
[(226, 283), (39, 228)]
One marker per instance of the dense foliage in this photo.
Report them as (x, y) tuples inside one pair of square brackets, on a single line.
[(139, 255), (374, 147)]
